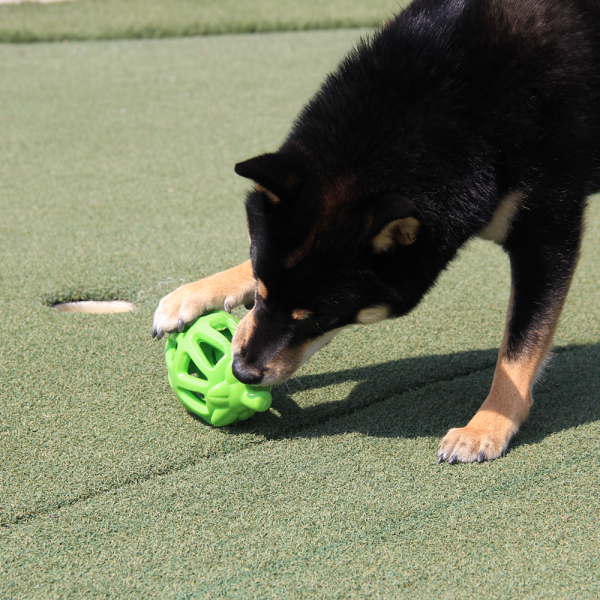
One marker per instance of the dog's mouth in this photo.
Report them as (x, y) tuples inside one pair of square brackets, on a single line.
[(262, 359)]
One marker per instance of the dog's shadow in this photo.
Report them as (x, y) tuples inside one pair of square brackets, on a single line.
[(426, 396)]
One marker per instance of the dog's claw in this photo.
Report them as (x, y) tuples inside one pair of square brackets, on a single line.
[(180, 325), (481, 457), (453, 460)]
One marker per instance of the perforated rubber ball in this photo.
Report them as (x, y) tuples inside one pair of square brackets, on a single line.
[(199, 367)]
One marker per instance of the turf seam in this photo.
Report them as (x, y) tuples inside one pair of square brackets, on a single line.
[(289, 434), (110, 489)]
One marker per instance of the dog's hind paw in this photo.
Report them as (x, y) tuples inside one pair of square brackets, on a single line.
[(468, 444)]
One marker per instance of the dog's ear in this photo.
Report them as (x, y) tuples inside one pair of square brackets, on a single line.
[(392, 219), (276, 174)]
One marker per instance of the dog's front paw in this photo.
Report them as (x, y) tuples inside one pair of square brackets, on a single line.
[(180, 307), (470, 444), (223, 291)]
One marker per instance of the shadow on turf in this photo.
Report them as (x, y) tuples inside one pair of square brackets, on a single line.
[(426, 396)]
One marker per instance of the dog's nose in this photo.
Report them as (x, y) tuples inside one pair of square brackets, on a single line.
[(244, 373)]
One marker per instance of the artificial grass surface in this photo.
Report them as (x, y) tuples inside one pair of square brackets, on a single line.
[(116, 19), (116, 180)]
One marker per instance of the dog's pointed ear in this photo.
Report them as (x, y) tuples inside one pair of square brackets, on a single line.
[(276, 174), (392, 220)]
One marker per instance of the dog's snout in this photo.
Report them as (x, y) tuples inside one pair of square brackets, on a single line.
[(244, 373)]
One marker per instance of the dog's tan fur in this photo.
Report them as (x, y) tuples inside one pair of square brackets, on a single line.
[(497, 229), (401, 231), (488, 433), (373, 314), (274, 199), (224, 290), (301, 314), (261, 289)]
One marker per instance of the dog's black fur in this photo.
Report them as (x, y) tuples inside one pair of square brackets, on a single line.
[(449, 109), (451, 106)]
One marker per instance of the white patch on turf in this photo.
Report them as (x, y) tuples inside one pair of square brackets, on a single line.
[(95, 307), (32, 1)]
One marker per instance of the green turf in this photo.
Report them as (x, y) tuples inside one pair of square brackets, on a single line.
[(116, 181), (116, 19)]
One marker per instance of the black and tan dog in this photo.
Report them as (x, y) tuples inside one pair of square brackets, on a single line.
[(459, 118)]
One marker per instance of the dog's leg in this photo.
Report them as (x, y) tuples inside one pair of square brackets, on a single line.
[(543, 258), (225, 290)]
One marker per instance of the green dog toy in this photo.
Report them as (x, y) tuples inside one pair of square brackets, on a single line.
[(199, 366)]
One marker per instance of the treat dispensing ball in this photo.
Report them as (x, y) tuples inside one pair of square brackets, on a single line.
[(199, 367)]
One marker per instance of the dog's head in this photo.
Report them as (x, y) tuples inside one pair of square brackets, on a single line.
[(327, 251)]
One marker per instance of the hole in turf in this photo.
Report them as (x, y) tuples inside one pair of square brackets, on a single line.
[(213, 355), (94, 307)]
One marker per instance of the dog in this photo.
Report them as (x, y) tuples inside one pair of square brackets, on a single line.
[(457, 119)]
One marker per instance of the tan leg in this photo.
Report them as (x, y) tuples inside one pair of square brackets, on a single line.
[(489, 432), (543, 255), (223, 291)]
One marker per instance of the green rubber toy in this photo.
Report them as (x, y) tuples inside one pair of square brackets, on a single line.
[(199, 367)]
